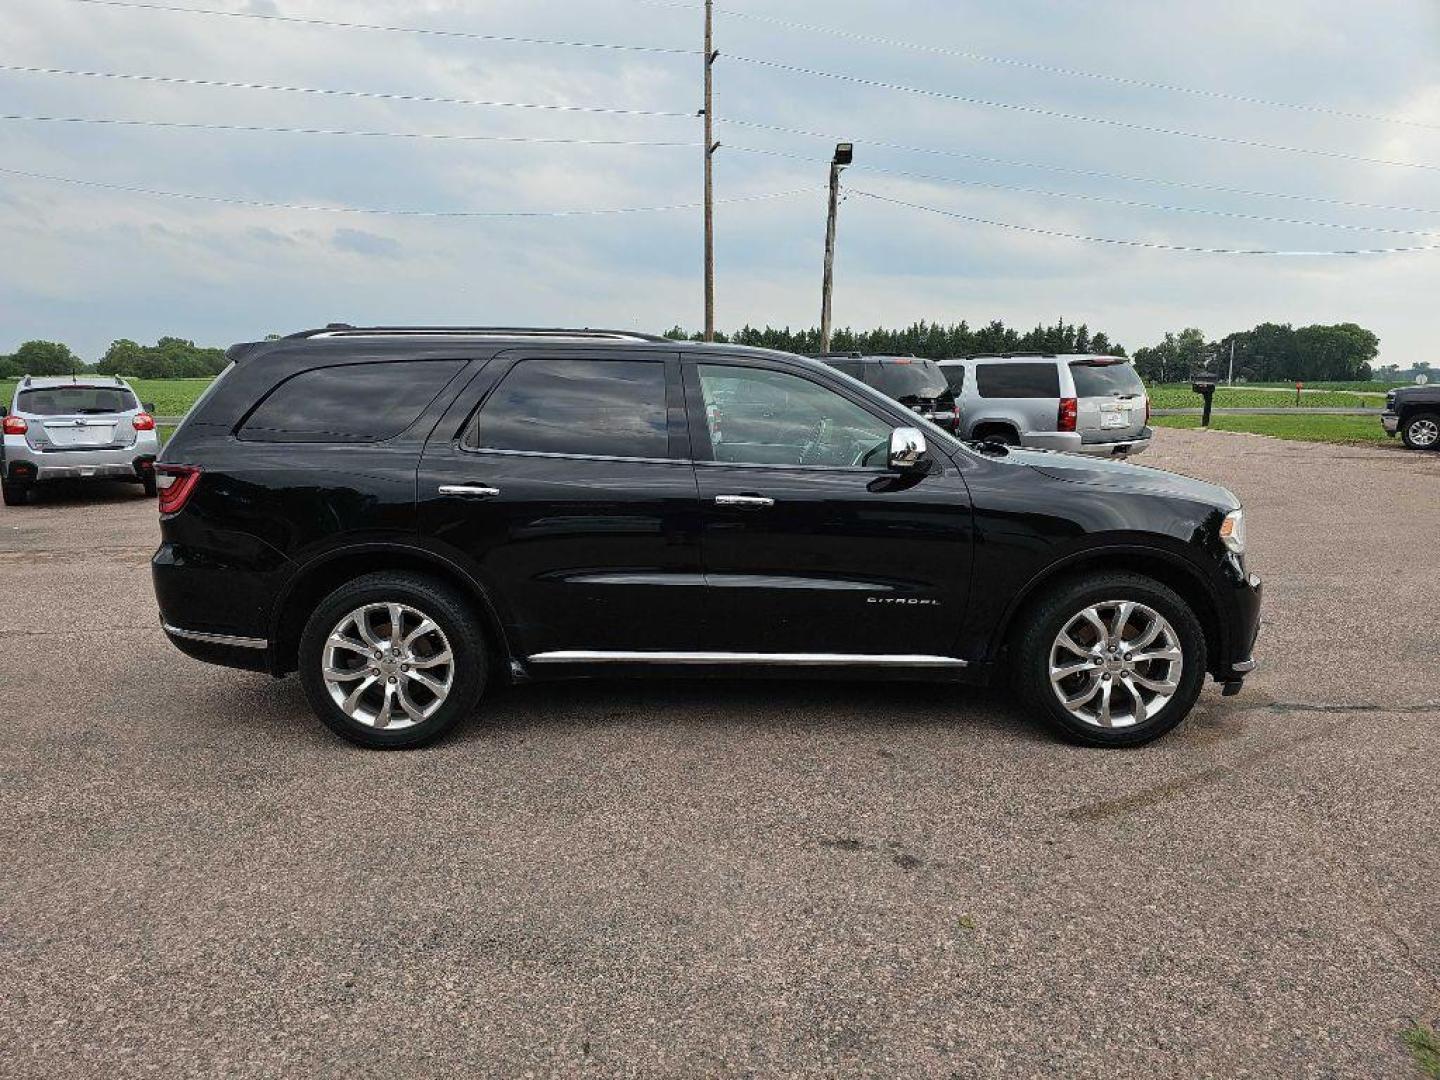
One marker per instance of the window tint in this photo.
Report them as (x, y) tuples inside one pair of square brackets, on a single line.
[(1102, 380), (349, 403), (69, 400), (1037, 380), (761, 417), (955, 377), (610, 408), (849, 367), (908, 381)]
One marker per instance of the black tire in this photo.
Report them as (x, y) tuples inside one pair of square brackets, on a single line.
[(1421, 431), (15, 494), (1064, 601), (148, 483), (1001, 437), (435, 599)]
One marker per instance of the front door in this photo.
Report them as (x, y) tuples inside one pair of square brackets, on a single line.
[(811, 546), (563, 480)]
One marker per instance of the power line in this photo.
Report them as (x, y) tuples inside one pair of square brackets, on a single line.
[(172, 80), (1138, 204), (267, 205), (342, 131), (336, 24), (1153, 245), (1058, 114), (1052, 69), (1190, 185)]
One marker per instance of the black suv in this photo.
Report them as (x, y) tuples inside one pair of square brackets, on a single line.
[(407, 516), (920, 385), (1414, 412)]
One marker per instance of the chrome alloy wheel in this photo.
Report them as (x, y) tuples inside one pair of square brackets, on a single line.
[(388, 666), (1424, 433), (1116, 664)]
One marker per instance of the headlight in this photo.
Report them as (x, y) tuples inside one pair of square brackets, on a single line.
[(1232, 531)]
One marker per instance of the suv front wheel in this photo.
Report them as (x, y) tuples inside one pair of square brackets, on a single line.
[(1111, 659), (393, 660)]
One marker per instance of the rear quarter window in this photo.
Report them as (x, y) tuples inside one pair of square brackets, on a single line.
[(356, 403), (1017, 380), (1103, 380)]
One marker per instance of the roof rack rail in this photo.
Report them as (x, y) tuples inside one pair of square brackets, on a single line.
[(346, 330), (1010, 355)]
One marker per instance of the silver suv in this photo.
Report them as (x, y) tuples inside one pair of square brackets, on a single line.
[(1078, 403), (82, 427)]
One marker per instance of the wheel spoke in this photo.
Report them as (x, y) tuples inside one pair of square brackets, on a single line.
[(412, 710), (1060, 674), (354, 698), (1084, 697), (1102, 631), (1164, 688), (1140, 709), (431, 661), (1167, 653), (420, 631), (382, 718), (397, 620), (335, 674), (1103, 717), (1149, 634), (436, 687), (1066, 641), (1122, 619), (361, 619), (340, 641)]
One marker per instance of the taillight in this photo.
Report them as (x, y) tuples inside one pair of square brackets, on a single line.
[(175, 483), (1065, 419), (16, 425), (143, 421)]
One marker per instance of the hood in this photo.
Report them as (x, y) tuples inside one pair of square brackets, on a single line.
[(1116, 475)]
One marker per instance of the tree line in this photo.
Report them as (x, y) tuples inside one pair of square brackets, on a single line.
[(168, 358), (1271, 352), (933, 340)]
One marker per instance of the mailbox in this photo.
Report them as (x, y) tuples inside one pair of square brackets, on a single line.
[(1203, 383)]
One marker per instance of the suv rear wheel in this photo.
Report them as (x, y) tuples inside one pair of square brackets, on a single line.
[(1111, 659), (393, 660), (1422, 431), (15, 493)]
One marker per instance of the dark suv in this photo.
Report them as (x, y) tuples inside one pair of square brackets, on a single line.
[(916, 383), (407, 516)]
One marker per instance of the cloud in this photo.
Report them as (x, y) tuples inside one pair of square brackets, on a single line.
[(86, 265)]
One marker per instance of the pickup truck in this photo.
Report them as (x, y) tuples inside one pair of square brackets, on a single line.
[(1414, 413)]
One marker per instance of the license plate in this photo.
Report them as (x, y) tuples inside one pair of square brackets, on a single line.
[(91, 435), (1114, 420)]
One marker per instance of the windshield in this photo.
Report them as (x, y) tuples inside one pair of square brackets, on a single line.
[(909, 380), (72, 400), (1103, 380)]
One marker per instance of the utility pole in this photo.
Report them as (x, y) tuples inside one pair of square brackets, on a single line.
[(1231, 380), (844, 155), (710, 147)]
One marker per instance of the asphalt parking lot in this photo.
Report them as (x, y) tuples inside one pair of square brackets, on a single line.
[(703, 879)]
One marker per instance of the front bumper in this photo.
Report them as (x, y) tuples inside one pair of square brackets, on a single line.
[(1247, 594), (1390, 422)]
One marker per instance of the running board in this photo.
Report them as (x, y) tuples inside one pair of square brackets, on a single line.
[(586, 656)]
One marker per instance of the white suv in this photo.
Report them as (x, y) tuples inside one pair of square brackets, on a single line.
[(75, 428), (1074, 402)]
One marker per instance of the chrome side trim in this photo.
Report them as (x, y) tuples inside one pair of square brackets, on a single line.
[(1243, 666), (595, 656), (217, 639)]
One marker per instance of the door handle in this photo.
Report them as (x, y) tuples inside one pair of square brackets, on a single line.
[(748, 502), (469, 491)]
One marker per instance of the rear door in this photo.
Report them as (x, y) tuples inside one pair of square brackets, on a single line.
[(563, 480), (78, 417), (812, 547), (1110, 400)]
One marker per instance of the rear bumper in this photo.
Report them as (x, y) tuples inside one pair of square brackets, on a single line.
[(1390, 422), (227, 650), (1072, 442), (23, 462), (1120, 447)]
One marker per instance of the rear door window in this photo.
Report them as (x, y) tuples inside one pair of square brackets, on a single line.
[(592, 408), (357, 403), (1104, 380), (1017, 380), (75, 400)]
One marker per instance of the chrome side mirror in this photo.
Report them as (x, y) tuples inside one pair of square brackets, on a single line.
[(907, 449)]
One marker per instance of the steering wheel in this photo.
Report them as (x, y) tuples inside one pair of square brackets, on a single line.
[(816, 439)]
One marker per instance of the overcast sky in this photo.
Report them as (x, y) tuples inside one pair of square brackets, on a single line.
[(85, 265)]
